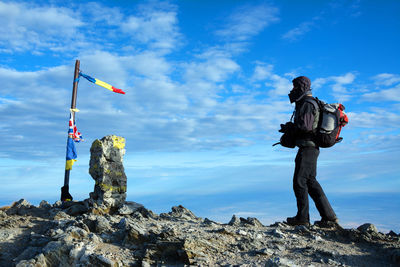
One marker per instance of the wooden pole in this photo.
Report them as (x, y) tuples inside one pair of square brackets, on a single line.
[(65, 195)]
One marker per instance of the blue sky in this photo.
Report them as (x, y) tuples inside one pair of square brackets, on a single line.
[(206, 88)]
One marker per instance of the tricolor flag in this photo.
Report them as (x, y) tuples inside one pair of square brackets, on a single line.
[(101, 83), (73, 136)]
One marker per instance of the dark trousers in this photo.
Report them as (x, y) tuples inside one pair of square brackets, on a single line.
[(304, 183)]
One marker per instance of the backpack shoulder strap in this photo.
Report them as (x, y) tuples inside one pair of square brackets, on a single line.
[(314, 101)]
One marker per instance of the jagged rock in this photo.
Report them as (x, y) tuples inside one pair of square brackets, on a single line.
[(136, 233), (57, 204), (180, 238), (75, 208), (129, 207), (74, 233), (22, 203), (123, 223), (39, 260), (368, 228), (20, 207), (251, 221), (280, 225), (301, 229), (279, 262), (235, 221), (391, 233), (44, 205), (224, 231), (241, 232), (60, 215), (101, 224), (38, 240), (56, 252), (106, 168), (143, 214), (209, 222), (100, 260), (28, 253), (180, 212), (278, 233)]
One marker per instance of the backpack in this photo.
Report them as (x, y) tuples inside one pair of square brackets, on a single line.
[(331, 121)]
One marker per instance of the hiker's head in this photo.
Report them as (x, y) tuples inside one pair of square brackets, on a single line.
[(301, 87)]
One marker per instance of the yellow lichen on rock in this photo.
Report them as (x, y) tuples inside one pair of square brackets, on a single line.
[(107, 187), (97, 143), (119, 142)]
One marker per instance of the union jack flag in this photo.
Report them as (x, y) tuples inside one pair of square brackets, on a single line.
[(73, 131)]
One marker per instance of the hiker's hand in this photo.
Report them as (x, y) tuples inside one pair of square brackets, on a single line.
[(286, 127)]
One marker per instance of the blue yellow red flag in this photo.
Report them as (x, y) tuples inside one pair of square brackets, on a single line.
[(102, 84)]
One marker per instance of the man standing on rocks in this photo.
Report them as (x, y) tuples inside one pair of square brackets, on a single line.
[(306, 117)]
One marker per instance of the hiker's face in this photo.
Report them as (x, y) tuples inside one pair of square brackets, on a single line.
[(293, 94)]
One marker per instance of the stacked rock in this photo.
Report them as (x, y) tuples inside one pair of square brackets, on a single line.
[(107, 170)]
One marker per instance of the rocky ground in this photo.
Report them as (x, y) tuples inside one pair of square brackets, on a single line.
[(78, 234)]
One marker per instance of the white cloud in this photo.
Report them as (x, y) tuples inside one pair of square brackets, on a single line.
[(40, 29), (262, 72), (100, 13), (374, 119), (156, 26), (338, 81), (338, 84), (298, 31), (280, 85), (391, 94), (248, 21), (329, 14), (387, 88), (348, 78), (29, 27), (386, 79), (215, 66)]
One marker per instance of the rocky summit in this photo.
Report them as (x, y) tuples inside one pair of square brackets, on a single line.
[(75, 235), (107, 230)]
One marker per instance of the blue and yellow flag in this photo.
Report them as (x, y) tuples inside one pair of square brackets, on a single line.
[(71, 154)]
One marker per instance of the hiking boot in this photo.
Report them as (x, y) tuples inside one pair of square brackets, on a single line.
[(327, 223), (294, 221)]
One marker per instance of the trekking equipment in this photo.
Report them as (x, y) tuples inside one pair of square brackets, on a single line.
[(288, 138), (332, 119)]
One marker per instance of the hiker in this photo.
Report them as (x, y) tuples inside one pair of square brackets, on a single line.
[(305, 123)]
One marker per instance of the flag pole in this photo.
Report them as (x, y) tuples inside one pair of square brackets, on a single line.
[(65, 195)]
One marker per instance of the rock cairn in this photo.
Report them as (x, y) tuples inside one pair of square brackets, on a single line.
[(106, 168)]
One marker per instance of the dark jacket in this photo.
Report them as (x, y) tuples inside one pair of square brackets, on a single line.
[(305, 122)]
